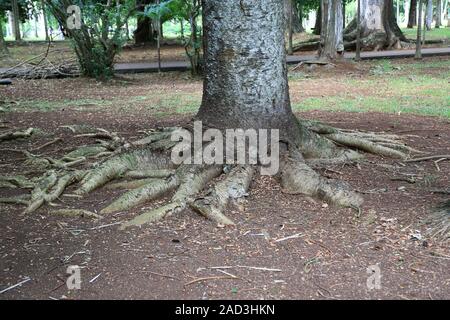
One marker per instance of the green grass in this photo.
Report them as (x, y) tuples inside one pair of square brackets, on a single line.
[(393, 88), (433, 34)]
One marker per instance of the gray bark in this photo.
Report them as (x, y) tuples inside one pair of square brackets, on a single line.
[(245, 84), (3, 47), (429, 14), (331, 39), (438, 13), (16, 19), (379, 27)]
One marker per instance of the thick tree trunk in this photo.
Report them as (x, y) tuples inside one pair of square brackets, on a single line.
[(245, 84), (429, 15), (379, 28), (145, 31), (16, 19), (412, 17), (331, 39), (438, 14)]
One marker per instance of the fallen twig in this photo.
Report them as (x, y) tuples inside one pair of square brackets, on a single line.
[(15, 286)]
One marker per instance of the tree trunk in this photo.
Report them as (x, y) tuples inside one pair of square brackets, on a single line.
[(145, 31), (419, 31), (379, 28), (429, 15), (297, 25), (289, 8), (331, 39), (245, 84), (3, 46), (438, 13), (318, 24), (412, 17), (16, 19), (44, 17)]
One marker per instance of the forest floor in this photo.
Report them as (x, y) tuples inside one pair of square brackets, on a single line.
[(332, 249)]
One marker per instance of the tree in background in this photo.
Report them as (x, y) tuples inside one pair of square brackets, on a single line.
[(3, 46), (429, 15), (379, 28), (412, 15), (438, 14), (99, 35), (331, 39)]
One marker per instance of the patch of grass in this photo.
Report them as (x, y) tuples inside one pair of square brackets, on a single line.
[(433, 34), (433, 106)]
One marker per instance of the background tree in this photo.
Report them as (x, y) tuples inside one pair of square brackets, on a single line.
[(429, 15), (3, 46), (412, 15), (16, 19), (100, 35), (331, 39), (438, 13), (379, 28)]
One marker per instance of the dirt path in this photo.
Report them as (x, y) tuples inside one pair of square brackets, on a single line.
[(328, 259)]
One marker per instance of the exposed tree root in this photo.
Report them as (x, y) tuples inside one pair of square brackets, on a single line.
[(146, 166), (235, 185), (192, 180), (22, 199), (298, 178), (17, 134)]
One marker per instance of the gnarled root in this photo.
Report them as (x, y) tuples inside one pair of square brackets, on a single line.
[(17, 134), (192, 179), (50, 188), (234, 186), (118, 165), (298, 178)]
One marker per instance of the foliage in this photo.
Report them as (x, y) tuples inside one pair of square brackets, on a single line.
[(100, 36)]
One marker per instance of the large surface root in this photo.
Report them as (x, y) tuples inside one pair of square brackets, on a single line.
[(146, 172), (193, 179), (234, 186), (298, 178)]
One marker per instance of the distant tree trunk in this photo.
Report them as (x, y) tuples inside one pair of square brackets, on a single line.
[(44, 17), (3, 46), (289, 5), (429, 15), (297, 25), (379, 28), (438, 13), (419, 30), (318, 23), (343, 15), (145, 32), (331, 39), (412, 17), (16, 19)]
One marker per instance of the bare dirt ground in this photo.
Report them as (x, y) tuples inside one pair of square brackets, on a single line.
[(328, 259)]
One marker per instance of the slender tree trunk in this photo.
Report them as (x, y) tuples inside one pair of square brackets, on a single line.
[(429, 15), (44, 17), (297, 19), (343, 14), (16, 19), (438, 13), (243, 87), (331, 39), (419, 30), (318, 23), (358, 31), (289, 4), (3, 46), (412, 17)]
